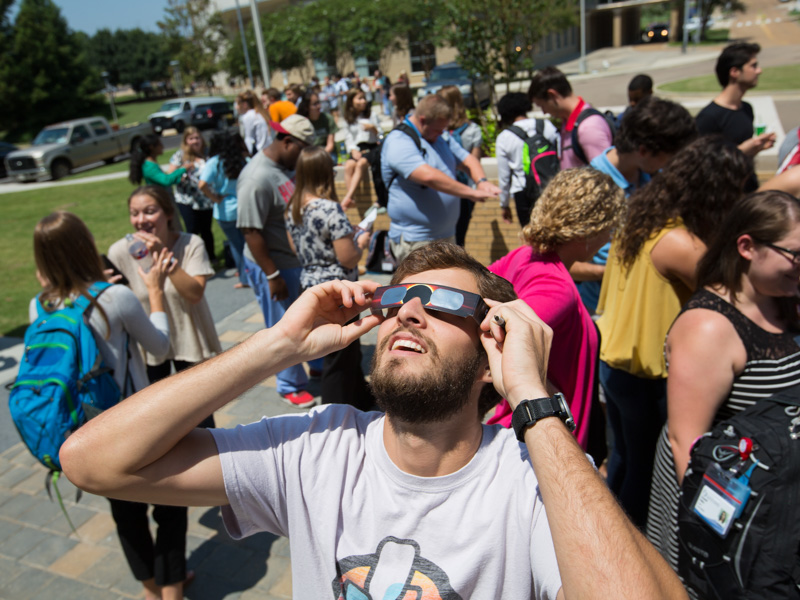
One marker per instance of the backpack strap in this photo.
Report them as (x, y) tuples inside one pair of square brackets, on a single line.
[(540, 127), (519, 132), (412, 133), (576, 145)]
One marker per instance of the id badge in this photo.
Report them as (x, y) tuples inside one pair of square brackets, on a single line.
[(720, 499)]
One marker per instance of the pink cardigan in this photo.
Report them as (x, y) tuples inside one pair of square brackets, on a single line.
[(545, 284)]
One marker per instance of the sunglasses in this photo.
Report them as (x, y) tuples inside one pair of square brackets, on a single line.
[(433, 297)]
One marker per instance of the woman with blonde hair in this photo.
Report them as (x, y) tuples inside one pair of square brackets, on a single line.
[(470, 137), (571, 220), (195, 207), (253, 119), (362, 139), (67, 264), (328, 248)]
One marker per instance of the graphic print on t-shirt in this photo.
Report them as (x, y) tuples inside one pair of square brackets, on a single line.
[(286, 190), (396, 571)]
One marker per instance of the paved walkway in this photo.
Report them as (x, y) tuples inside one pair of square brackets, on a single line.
[(41, 558)]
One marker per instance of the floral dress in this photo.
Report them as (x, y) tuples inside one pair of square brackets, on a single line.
[(323, 222)]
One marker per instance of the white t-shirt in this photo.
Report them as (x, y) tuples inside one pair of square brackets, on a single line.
[(508, 150), (325, 480)]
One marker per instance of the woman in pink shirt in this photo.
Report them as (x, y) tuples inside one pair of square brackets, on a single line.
[(572, 219)]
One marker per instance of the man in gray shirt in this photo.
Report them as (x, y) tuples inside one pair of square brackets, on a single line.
[(263, 190)]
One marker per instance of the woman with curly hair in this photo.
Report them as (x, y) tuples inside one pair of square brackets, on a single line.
[(229, 155), (649, 276), (571, 220), (144, 164)]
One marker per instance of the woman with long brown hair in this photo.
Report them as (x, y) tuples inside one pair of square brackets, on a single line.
[(733, 344), (649, 276), (67, 264), (362, 139), (328, 248), (253, 119), (470, 137), (193, 336)]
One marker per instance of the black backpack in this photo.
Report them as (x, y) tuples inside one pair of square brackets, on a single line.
[(588, 112), (539, 160), (759, 557)]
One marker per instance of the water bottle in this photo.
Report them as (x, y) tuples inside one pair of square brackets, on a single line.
[(139, 252)]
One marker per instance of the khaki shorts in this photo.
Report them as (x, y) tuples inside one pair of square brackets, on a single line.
[(403, 248)]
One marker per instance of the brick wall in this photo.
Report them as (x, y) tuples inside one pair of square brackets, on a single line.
[(488, 236)]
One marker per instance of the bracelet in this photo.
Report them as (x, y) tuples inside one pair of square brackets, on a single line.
[(273, 275), (482, 179)]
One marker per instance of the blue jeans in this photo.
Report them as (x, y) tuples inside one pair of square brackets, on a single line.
[(236, 240), (294, 378), (637, 409)]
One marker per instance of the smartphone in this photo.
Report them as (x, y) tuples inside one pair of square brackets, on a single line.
[(115, 271)]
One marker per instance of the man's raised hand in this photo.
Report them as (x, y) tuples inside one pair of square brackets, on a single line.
[(517, 343), (315, 322)]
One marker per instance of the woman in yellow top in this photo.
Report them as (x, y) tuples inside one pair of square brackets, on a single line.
[(650, 274)]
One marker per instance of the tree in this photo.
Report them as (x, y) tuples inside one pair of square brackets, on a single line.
[(194, 37), (707, 7), (44, 74), (497, 37), (130, 56)]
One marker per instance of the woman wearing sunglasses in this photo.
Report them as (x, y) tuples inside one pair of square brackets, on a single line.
[(572, 219), (733, 343)]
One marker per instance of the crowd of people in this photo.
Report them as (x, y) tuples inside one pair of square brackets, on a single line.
[(662, 286)]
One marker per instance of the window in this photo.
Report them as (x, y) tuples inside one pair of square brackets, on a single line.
[(99, 128), (423, 54), (80, 133), (322, 69), (548, 45)]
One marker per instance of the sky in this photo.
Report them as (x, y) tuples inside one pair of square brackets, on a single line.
[(91, 15)]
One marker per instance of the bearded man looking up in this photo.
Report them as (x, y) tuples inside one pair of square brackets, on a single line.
[(422, 499)]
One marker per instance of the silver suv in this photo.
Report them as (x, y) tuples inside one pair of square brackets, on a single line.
[(177, 113)]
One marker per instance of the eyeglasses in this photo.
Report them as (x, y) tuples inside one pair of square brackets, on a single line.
[(433, 297), (793, 255)]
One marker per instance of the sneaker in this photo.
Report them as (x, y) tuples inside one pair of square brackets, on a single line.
[(301, 399)]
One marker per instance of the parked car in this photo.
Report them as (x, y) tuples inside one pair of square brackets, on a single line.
[(177, 113), (472, 88), (61, 147), (215, 114), (693, 24), (656, 32), (5, 149)]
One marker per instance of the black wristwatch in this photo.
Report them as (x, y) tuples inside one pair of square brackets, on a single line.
[(528, 412)]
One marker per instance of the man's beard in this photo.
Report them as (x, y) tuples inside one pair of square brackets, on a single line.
[(433, 396)]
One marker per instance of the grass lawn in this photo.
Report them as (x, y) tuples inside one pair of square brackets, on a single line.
[(101, 205), (117, 167), (786, 77), (713, 36)]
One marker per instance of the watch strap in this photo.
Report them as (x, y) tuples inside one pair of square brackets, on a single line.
[(528, 412)]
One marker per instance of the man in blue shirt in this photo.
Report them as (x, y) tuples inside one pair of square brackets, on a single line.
[(650, 135), (424, 196)]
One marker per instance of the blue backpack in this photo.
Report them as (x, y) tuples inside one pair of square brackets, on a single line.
[(62, 380)]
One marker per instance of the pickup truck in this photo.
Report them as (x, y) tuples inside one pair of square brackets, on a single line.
[(61, 147)]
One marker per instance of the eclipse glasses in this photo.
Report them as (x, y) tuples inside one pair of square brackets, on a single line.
[(433, 297)]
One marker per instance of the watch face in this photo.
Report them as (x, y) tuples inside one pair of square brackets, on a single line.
[(568, 419)]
